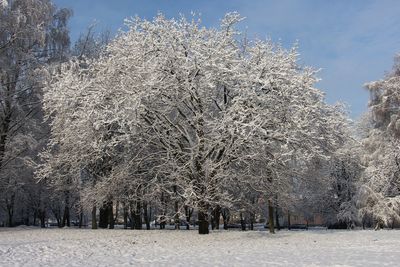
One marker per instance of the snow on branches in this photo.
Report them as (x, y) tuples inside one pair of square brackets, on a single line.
[(173, 108), (379, 195)]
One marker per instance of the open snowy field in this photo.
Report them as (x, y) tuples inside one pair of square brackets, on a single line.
[(73, 247)]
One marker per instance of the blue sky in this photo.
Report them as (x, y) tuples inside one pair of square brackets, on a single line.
[(352, 41)]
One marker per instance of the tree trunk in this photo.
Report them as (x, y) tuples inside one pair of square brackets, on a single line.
[(103, 217), (138, 216), (176, 204), (35, 214), (216, 216), (132, 217), (42, 217), (27, 222), (379, 225), (66, 216), (57, 214), (146, 215), (10, 209), (242, 222), (212, 220), (125, 209), (116, 212), (252, 220), (288, 219), (94, 219), (150, 214), (203, 222), (162, 217), (225, 217), (10, 212), (110, 208), (271, 217), (188, 213), (80, 219), (277, 219)]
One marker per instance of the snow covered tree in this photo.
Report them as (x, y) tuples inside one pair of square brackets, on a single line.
[(345, 173), (172, 108), (26, 31), (380, 194)]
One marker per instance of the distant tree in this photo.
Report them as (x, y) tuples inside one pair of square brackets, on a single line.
[(91, 44)]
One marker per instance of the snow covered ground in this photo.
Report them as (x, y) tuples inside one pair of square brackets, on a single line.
[(73, 247)]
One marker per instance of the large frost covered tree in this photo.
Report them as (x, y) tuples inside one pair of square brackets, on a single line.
[(173, 108), (379, 197)]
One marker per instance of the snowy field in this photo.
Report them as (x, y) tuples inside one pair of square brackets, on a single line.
[(73, 247)]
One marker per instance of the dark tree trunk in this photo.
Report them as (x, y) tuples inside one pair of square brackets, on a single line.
[(27, 217), (138, 216), (10, 209), (216, 217), (225, 217), (110, 209), (162, 217), (242, 222), (288, 219), (35, 214), (203, 222), (379, 225), (252, 220), (188, 213), (176, 206), (116, 212), (80, 219), (10, 212), (271, 217), (132, 215), (94, 219), (42, 218), (125, 210), (57, 214), (103, 217), (252, 214), (277, 219), (162, 222), (150, 215), (66, 216), (146, 216), (363, 221)]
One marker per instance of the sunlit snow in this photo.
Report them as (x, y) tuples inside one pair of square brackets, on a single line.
[(73, 247)]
